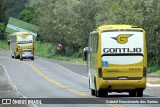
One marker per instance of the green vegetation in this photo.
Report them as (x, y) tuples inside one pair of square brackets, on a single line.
[(48, 50), (26, 15), (14, 8), (4, 45), (3, 34), (69, 22), (69, 59), (2, 11), (154, 70)]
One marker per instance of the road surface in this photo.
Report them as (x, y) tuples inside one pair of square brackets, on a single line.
[(44, 78)]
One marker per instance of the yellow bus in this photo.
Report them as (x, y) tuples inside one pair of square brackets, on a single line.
[(19, 41), (117, 60)]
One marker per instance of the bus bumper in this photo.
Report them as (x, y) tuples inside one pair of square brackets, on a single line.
[(121, 85)]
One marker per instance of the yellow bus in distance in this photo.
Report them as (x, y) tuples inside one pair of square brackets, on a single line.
[(19, 41), (117, 60)]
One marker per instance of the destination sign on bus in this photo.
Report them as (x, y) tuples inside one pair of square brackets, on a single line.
[(23, 42)]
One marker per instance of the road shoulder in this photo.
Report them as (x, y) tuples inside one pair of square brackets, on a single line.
[(7, 88)]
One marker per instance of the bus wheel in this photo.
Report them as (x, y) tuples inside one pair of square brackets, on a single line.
[(15, 56), (139, 93), (12, 56), (132, 93), (106, 93), (100, 93), (93, 92)]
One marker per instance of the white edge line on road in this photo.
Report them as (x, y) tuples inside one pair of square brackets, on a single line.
[(13, 85), (11, 82), (153, 85), (66, 69), (71, 71)]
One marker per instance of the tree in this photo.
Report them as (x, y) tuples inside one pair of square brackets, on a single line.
[(2, 11), (70, 21), (66, 22), (3, 34), (2, 20), (26, 15)]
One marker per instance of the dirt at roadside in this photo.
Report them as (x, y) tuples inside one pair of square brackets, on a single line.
[(153, 80)]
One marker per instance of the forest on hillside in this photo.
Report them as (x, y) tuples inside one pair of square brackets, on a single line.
[(69, 21)]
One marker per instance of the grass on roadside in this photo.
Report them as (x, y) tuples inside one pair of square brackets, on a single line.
[(154, 70), (4, 45), (70, 59), (47, 50)]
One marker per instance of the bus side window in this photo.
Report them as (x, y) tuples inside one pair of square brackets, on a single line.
[(94, 42)]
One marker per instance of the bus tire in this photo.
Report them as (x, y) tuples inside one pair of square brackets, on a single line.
[(12, 56), (101, 93), (106, 93), (139, 93), (15, 56), (98, 94), (93, 92), (32, 58), (132, 93)]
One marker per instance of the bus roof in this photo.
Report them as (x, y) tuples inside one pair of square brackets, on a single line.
[(111, 27)]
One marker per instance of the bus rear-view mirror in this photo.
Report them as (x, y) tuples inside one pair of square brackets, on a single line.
[(9, 42), (85, 52)]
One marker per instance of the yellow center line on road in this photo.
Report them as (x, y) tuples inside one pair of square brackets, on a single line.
[(51, 80), (54, 81)]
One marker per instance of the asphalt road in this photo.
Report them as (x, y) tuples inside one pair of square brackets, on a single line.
[(45, 78)]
